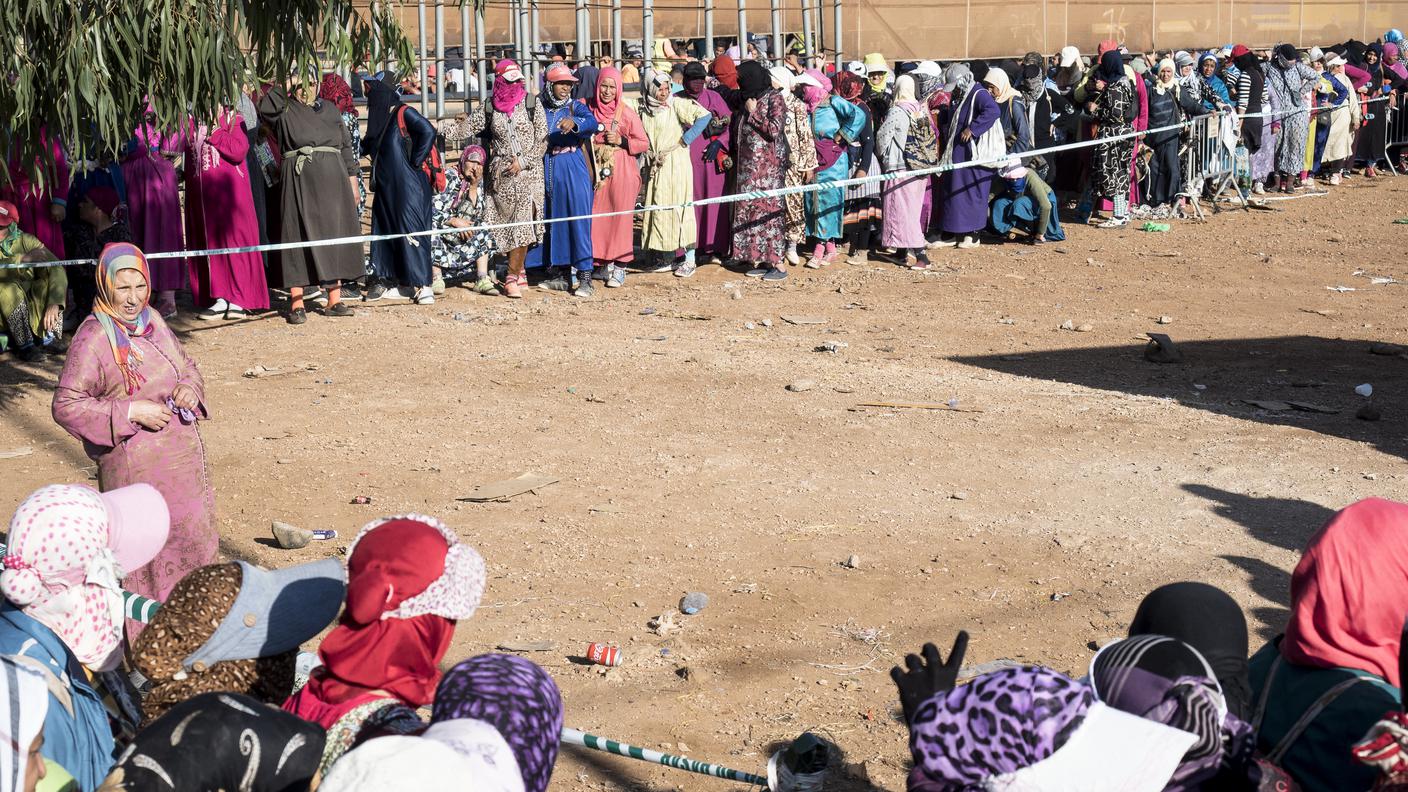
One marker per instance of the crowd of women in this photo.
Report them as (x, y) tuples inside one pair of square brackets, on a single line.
[(564, 177), (208, 693)]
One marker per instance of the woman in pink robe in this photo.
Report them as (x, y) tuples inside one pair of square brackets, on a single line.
[(133, 396), (623, 135), (41, 212), (220, 214), (154, 207)]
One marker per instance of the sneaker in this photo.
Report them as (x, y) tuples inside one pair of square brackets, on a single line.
[(686, 268), (758, 272), (559, 283), (393, 295), (1259, 189), (484, 285), (351, 291), (437, 287), (584, 286), (1335, 180), (425, 295), (921, 262), (513, 286), (664, 265), (792, 257), (615, 276), (713, 260), (775, 275), (314, 293), (374, 292), (815, 262), (969, 242), (945, 242), (339, 308), (1114, 222)]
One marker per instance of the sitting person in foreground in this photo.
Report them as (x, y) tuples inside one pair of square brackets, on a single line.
[(31, 298)]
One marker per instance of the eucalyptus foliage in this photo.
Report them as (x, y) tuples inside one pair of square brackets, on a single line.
[(85, 70)]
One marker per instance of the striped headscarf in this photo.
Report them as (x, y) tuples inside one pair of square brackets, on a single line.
[(116, 257)]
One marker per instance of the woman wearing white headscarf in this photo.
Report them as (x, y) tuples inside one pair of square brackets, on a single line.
[(801, 165)]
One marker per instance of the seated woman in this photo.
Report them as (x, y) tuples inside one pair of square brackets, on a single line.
[(68, 548), (31, 298), (1319, 688), (1210, 621), (221, 741), (409, 579), (464, 204), (1023, 201), (235, 627)]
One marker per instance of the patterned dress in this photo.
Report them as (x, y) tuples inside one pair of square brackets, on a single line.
[(349, 120), (801, 147), (455, 254), (758, 231), (1110, 165), (522, 134), (1290, 90)]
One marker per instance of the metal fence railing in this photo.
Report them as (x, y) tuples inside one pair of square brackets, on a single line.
[(1209, 161)]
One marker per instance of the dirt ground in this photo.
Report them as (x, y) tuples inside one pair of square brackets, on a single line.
[(1073, 477)]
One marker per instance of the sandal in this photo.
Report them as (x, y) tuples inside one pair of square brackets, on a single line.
[(297, 316)]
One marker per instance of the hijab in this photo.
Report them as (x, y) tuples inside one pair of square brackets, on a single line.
[(220, 741), (851, 87), (116, 257), (24, 703), (336, 90), (1286, 57), (725, 71), (1350, 590), (1002, 89), (1033, 82), (650, 104), (753, 79), (1111, 66), (1160, 85), (1244, 59), (603, 110), (694, 79), (517, 698), (383, 101), (1210, 621), (508, 95), (814, 95), (904, 89), (464, 755), (587, 77)]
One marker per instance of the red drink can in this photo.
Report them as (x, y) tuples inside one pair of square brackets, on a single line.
[(602, 654)]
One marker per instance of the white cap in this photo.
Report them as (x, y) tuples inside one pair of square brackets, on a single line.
[(1070, 56)]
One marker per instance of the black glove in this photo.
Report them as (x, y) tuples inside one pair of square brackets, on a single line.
[(928, 675)]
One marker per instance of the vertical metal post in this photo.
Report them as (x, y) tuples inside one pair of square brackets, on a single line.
[(439, 59), (466, 65), (583, 23), (647, 31), (709, 29), (420, 59), (481, 55), (836, 31), (778, 47), (537, 39), (808, 41), (742, 30), (617, 56)]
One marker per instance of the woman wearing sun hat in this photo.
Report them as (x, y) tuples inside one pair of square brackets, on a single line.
[(69, 547)]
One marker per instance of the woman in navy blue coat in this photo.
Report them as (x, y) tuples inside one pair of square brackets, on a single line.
[(403, 193)]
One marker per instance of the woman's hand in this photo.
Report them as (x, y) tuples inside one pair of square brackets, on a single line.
[(567, 125), (513, 168), (966, 135), (751, 105), (928, 675), (53, 318), (148, 414), (457, 222), (614, 138), (185, 396)]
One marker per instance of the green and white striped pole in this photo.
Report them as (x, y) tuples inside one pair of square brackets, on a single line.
[(138, 608), (576, 737)]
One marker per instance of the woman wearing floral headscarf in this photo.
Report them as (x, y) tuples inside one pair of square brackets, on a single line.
[(464, 204), (135, 398), (906, 141), (801, 157)]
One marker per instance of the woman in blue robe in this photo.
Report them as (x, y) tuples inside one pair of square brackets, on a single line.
[(836, 125), (402, 192), (569, 185)]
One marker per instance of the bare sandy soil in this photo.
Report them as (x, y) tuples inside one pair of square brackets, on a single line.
[(1074, 477)]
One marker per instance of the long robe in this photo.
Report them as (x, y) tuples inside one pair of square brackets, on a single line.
[(220, 213), (711, 220), (826, 207), (154, 202), (27, 292), (903, 199), (569, 189), (521, 136), (315, 193), (801, 160), (966, 190), (91, 403), (402, 198), (761, 159), (1291, 88), (1339, 144), (613, 235), (35, 205), (671, 177), (1110, 163)]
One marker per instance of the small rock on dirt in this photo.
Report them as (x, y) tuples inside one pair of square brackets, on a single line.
[(1165, 320), (767, 323), (1068, 325), (290, 537), (1085, 328), (851, 562), (736, 295), (798, 386), (748, 325), (693, 602)]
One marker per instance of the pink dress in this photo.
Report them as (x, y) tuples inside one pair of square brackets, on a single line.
[(220, 214), (36, 206), (154, 203), (612, 236), (91, 404)]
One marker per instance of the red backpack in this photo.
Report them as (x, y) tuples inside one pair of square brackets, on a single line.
[(434, 166)]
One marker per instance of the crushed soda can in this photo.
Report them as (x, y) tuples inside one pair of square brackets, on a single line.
[(324, 534), (602, 654), (362, 500)]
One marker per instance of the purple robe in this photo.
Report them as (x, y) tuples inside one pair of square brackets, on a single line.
[(154, 203), (91, 403), (712, 220), (964, 201)]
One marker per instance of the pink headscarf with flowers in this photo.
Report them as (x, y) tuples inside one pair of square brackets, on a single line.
[(814, 95)]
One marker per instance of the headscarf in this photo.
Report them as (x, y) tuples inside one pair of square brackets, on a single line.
[(782, 78), (1002, 89), (1161, 87), (904, 89), (814, 95), (587, 77), (507, 95), (1111, 66), (1033, 84), (695, 79), (725, 71), (851, 87), (185, 621), (958, 78), (603, 110), (753, 79), (1376, 69), (1348, 592), (336, 90), (24, 703), (382, 102), (1108, 45), (220, 741), (1167, 681), (649, 103), (60, 570), (514, 696), (118, 256), (473, 153), (1286, 56), (1210, 621), (103, 197), (466, 755), (409, 578)]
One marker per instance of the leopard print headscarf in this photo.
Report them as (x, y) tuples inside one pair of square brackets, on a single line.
[(184, 623)]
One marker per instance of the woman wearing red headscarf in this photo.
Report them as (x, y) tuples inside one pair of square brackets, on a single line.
[(409, 579), (1320, 687), (615, 148)]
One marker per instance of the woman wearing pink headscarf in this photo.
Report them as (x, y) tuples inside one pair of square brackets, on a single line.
[(836, 125), (615, 148)]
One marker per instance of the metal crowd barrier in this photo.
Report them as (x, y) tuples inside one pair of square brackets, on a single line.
[(1209, 160)]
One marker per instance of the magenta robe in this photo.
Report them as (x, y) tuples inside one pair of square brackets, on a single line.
[(712, 220), (220, 214), (154, 203), (612, 237), (36, 206), (91, 404)]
